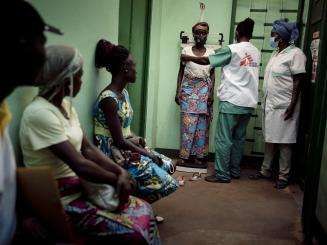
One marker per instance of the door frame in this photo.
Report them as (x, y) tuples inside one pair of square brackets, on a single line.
[(311, 225), (125, 38)]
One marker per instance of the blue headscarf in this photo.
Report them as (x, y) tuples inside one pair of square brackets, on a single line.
[(288, 31)]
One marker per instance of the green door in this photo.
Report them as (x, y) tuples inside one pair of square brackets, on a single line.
[(314, 114), (134, 22)]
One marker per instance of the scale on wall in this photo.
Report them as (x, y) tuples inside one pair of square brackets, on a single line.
[(184, 36)]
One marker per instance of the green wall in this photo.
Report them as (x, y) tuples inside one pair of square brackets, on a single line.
[(169, 17), (84, 22)]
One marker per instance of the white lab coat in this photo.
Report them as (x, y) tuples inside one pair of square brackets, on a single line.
[(240, 78), (278, 88)]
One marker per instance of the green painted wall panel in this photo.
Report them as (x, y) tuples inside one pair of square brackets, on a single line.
[(153, 73), (169, 17)]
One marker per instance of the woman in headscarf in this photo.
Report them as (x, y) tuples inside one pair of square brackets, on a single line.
[(51, 135), (113, 115), (282, 81)]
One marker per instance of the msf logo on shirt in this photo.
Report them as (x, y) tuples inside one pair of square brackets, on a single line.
[(248, 61)]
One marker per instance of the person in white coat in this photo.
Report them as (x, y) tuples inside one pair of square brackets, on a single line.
[(284, 75)]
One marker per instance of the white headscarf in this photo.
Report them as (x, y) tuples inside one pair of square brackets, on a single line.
[(62, 62)]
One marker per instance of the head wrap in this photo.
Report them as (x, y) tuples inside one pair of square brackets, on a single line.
[(62, 62), (288, 31)]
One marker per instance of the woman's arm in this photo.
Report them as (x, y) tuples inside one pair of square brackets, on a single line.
[(109, 107), (211, 95), (90, 152), (81, 166), (297, 82), (179, 82)]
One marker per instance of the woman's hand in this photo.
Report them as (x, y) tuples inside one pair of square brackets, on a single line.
[(210, 100), (124, 187), (142, 142), (156, 159), (177, 98), (289, 112)]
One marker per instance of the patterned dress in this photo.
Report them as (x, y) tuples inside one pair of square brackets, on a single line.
[(133, 223), (153, 182)]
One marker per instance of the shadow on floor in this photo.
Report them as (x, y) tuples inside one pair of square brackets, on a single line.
[(242, 212)]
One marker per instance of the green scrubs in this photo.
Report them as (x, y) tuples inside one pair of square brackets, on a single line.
[(231, 128)]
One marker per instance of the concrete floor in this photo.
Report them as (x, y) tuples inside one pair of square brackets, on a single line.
[(242, 212)]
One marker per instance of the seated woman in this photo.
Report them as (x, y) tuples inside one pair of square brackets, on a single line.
[(112, 119), (51, 135)]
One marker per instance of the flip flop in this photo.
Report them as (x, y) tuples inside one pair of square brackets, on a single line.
[(196, 177), (159, 219), (181, 180)]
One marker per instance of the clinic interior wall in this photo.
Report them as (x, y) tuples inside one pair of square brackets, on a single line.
[(169, 17), (83, 22)]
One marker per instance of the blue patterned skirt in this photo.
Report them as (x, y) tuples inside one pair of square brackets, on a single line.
[(153, 182)]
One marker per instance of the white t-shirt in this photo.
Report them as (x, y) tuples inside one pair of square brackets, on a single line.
[(44, 125), (240, 78), (7, 190), (194, 70)]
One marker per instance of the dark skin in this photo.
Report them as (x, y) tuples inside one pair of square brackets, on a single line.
[(120, 79), (200, 35), (297, 79), (90, 164), (29, 56)]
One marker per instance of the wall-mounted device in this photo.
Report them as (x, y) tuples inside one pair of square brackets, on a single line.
[(184, 37)]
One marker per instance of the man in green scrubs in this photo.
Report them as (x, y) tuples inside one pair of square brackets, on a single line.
[(238, 94)]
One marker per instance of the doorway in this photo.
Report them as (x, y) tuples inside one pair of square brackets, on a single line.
[(134, 31)]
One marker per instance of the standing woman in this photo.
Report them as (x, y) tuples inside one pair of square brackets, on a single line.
[(238, 94), (113, 115), (194, 94), (283, 78)]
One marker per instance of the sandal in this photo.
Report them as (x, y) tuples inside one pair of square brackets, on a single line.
[(172, 167), (159, 219), (181, 180), (195, 177)]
